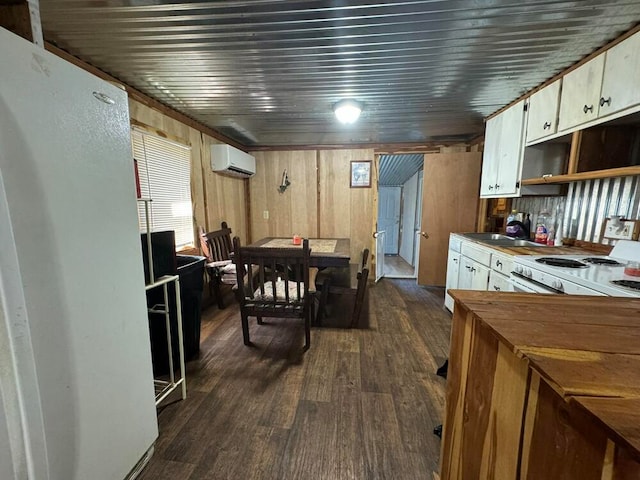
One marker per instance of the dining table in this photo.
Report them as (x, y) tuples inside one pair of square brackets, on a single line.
[(325, 252)]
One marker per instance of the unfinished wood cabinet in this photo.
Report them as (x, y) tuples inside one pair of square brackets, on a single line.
[(538, 388)]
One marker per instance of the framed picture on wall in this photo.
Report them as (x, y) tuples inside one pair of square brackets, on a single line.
[(361, 174)]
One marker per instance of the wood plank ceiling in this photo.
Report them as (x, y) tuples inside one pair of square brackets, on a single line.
[(267, 72)]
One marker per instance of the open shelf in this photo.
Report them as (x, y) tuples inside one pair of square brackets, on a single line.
[(575, 177)]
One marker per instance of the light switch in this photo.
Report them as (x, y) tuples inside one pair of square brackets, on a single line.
[(265, 214)]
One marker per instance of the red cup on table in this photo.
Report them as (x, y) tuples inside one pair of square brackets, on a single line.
[(297, 240)]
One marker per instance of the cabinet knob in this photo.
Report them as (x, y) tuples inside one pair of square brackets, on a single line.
[(497, 186), (603, 101), (546, 126), (455, 260), (496, 287), (498, 263), (490, 187), (472, 269), (588, 108)]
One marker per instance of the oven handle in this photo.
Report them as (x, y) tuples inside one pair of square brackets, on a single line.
[(515, 276)]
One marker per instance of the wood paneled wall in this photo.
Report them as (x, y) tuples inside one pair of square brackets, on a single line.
[(319, 202), (215, 198)]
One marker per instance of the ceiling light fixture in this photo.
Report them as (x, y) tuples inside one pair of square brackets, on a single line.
[(347, 111)]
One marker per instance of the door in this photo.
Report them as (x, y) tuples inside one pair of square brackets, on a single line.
[(379, 254), (389, 217), (409, 204), (449, 205)]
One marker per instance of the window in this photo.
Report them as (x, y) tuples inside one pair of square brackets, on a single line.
[(164, 170)]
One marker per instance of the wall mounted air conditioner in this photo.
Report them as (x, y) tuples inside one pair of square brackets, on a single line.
[(228, 160)]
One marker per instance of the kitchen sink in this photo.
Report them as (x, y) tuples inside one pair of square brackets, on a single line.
[(499, 240), (512, 242), (483, 237)]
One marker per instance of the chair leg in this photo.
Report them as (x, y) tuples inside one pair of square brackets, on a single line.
[(245, 329), (357, 308), (324, 297), (307, 330), (218, 294)]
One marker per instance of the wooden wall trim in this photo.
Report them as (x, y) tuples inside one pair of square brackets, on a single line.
[(143, 98), (382, 148), (602, 49), (22, 17)]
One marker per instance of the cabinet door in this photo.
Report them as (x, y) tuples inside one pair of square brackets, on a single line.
[(543, 112), (480, 277), (491, 156), (511, 151), (465, 275), (581, 94), (453, 269), (620, 87)]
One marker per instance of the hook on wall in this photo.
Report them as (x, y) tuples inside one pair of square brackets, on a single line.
[(285, 182)]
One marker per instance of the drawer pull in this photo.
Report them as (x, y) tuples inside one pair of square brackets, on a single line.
[(588, 108), (498, 263), (603, 101), (496, 287), (546, 126)]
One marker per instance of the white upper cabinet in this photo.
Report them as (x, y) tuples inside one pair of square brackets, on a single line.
[(602, 87), (580, 97), (502, 159), (620, 85), (543, 112)]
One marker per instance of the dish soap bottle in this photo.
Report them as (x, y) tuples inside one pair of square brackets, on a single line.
[(542, 228)]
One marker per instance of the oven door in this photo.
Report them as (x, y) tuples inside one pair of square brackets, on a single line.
[(523, 285)]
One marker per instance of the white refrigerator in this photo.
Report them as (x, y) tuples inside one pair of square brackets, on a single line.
[(76, 386)]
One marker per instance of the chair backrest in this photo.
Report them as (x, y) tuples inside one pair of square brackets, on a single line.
[(216, 245), (284, 271), (363, 276)]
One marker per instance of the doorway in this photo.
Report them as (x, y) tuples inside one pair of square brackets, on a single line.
[(400, 212)]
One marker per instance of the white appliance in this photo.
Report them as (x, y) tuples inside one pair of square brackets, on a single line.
[(76, 383), (579, 274), (229, 160)]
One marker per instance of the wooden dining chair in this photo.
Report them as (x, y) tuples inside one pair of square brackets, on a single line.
[(280, 285), (345, 282), (217, 247)]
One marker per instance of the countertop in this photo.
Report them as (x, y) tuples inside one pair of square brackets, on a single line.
[(530, 250), (587, 348)]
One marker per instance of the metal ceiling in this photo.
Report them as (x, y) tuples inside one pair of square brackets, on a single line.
[(267, 72), (395, 170)]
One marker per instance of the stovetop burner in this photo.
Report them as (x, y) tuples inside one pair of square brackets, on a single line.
[(561, 262), (601, 261), (633, 284)]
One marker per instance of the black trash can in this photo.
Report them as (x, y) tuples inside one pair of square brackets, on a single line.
[(191, 273)]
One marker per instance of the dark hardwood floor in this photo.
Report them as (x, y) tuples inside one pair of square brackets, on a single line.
[(359, 404)]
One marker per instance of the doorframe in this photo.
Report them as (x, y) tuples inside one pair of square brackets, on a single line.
[(376, 165)]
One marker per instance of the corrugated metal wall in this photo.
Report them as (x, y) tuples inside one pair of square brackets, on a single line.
[(586, 205)]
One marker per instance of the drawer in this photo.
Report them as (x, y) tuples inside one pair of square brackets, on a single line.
[(499, 283), (477, 253), (502, 263), (455, 243)]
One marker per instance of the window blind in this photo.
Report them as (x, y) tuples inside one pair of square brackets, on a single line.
[(164, 170)]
